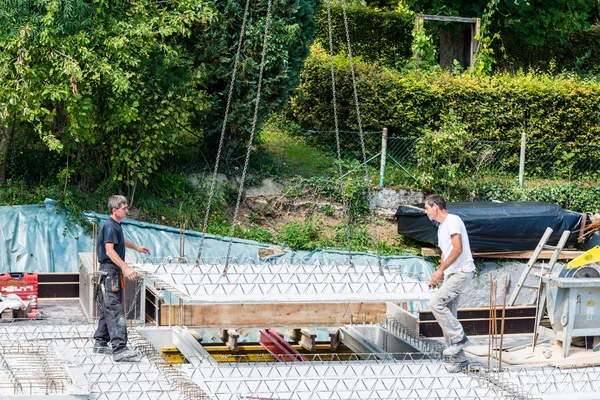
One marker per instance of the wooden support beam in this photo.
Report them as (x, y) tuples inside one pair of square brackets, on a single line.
[(294, 334), (223, 316), (308, 340), (475, 321), (525, 255), (334, 339), (230, 338)]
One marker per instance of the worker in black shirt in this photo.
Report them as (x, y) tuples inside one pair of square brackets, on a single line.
[(111, 256)]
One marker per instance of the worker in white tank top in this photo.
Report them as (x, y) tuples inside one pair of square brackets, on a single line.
[(456, 270)]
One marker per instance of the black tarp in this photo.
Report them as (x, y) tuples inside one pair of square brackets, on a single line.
[(495, 227)]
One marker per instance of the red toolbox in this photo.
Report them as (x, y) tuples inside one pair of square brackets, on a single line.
[(23, 284)]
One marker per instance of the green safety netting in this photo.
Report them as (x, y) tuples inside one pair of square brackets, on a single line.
[(38, 239)]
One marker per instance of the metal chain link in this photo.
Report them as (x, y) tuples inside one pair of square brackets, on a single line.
[(139, 285), (251, 140), (227, 108), (362, 140), (337, 137), (138, 288)]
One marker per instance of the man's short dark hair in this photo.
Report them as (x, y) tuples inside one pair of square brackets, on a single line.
[(436, 199)]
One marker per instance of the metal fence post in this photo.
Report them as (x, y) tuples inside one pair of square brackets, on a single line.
[(522, 159), (384, 137)]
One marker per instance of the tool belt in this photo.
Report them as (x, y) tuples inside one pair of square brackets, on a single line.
[(110, 278)]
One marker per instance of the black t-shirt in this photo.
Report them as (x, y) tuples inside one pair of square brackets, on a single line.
[(110, 232)]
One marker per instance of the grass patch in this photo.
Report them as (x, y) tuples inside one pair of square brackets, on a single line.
[(292, 156)]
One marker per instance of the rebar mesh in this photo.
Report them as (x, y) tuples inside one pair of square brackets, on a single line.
[(285, 283)]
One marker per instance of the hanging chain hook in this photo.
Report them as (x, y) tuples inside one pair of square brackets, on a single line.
[(221, 140), (337, 138), (251, 140), (362, 140)]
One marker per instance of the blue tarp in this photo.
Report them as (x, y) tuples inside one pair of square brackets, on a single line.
[(37, 240)]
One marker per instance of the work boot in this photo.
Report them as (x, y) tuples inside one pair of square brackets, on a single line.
[(127, 355), (458, 367), (102, 348), (457, 347)]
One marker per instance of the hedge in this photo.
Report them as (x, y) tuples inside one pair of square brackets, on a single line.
[(549, 108), (384, 37)]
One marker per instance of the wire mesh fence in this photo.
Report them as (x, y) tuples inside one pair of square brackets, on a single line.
[(542, 160)]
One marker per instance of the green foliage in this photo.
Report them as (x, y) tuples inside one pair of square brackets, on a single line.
[(536, 21), (300, 235), (258, 234), (291, 30), (547, 107), (117, 86), (355, 190), (580, 54), (443, 153), (383, 37), (423, 47), (571, 196), (485, 56)]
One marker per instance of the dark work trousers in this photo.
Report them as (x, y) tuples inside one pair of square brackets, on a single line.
[(111, 325)]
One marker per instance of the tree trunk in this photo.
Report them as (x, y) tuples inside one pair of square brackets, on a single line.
[(455, 46)]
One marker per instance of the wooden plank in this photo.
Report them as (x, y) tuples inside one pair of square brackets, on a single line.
[(524, 255), (581, 237), (483, 312), (481, 326), (430, 252), (475, 321), (48, 277), (270, 314), (445, 18), (58, 289)]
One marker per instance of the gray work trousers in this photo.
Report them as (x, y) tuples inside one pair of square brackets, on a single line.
[(444, 304), (111, 325)]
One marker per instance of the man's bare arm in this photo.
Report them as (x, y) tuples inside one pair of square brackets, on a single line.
[(139, 249), (447, 261)]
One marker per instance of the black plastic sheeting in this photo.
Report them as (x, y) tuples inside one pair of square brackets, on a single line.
[(495, 227)]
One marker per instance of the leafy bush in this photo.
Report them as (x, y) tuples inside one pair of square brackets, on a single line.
[(443, 153), (570, 196), (300, 235)]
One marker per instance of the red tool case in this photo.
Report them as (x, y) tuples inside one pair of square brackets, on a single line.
[(23, 284)]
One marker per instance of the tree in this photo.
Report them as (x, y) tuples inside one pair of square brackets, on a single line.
[(118, 84), (291, 31)]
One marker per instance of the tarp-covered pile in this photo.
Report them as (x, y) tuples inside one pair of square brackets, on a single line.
[(495, 227)]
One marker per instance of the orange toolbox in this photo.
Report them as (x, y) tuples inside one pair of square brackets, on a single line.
[(23, 284)]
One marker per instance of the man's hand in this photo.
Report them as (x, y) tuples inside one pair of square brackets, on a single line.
[(142, 249), (436, 278), (130, 274)]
